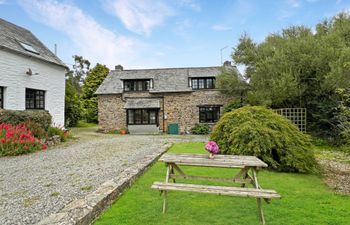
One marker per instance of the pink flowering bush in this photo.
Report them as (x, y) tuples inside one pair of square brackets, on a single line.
[(18, 140), (212, 147)]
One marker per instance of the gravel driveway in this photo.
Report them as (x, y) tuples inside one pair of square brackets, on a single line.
[(36, 185)]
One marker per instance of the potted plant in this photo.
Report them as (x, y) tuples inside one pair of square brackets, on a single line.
[(123, 131), (212, 148)]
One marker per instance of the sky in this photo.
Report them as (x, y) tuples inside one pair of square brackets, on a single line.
[(160, 33)]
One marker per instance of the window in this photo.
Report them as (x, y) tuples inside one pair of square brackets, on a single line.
[(209, 114), (136, 85), (29, 48), (1, 97), (203, 83), (142, 116), (35, 99)]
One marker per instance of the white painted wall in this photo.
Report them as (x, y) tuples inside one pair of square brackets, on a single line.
[(50, 78)]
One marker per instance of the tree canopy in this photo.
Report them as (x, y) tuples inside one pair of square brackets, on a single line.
[(93, 80), (299, 67)]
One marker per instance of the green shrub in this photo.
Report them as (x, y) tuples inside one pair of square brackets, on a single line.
[(15, 117), (37, 129), (200, 129), (254, 130), (52, 131), (345, 148), (232, 106)]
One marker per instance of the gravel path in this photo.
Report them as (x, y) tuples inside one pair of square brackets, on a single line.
[(36, 185), (337, 175), (336, 170)]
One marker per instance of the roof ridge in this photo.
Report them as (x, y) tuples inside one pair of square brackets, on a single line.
[(167, 68), (23, 28)]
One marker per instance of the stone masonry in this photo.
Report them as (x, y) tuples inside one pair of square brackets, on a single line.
[(181, 108)]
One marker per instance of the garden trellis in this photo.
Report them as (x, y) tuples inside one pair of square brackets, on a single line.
[(296, 115)]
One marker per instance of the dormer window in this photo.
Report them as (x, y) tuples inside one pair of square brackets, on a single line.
[(29, 48), (137, 85), (203, 83)]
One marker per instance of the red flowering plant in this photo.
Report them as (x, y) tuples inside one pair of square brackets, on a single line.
[(17, 140)]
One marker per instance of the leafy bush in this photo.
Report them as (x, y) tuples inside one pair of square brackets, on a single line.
[(52, 131), (72, 105), (233, 105), (37, 130), (345, 148), (200, 129), (17, 140), (254, 130), (15, 117), (342, 118)]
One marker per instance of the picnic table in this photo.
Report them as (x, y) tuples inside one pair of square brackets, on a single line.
[(247, 174)]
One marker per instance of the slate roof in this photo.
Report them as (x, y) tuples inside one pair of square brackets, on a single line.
[(11, 35), (137, 103), (164, 80)]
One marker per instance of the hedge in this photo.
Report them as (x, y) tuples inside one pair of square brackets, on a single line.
[(15, 117)]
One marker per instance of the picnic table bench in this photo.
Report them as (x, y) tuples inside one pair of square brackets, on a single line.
[(247, 174)]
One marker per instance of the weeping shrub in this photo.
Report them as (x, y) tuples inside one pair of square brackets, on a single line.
[(255, 130)]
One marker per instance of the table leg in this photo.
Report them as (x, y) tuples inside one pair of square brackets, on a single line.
[(245, 176), (166, 192), (259, 200), (172, 172)]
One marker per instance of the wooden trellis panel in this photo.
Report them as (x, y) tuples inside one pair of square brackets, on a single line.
[(296, 115)]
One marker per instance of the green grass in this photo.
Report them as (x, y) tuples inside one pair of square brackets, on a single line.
[(83, 123), (305, 200)]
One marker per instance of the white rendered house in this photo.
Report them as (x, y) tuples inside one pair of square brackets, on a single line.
[(31, 76)]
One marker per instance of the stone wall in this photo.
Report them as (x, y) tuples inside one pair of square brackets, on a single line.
[(181, 108), (111, 112)]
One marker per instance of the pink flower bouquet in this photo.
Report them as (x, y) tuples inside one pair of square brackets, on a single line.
[(212, 148)]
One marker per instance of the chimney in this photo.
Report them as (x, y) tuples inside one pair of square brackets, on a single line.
[(227, 64), (118, 68)]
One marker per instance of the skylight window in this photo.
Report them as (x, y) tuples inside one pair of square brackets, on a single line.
[(28, 48)]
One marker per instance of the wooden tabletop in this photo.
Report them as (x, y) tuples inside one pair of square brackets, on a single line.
[(230, 161)]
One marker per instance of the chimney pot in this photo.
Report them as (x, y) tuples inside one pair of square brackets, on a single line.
[(227, 63), (119, 68)]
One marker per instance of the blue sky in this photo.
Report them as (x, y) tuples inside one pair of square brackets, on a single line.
[(159, 33)]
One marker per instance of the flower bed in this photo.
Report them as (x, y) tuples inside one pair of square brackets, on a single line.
[(18, 140)]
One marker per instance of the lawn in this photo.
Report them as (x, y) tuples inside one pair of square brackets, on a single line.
[(305, 200)]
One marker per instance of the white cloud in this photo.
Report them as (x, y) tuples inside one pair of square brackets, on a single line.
[(221, 27), (294, 3), (192, 4), (94, 41), (140, 16)]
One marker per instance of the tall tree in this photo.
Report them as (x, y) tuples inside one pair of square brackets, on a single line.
[(74, 80), (77, 76), (93, 80), (300, 68)]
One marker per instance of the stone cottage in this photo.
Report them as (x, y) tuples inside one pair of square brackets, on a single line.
[(31, 76), (148, 100)]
